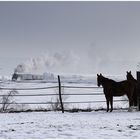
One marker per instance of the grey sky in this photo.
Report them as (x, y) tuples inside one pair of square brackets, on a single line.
[(100, 33)]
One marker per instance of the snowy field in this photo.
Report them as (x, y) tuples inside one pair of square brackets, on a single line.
[(99, 125), (95, 124)]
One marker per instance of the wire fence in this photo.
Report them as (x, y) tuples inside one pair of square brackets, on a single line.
[(58, 94), (53, 94)]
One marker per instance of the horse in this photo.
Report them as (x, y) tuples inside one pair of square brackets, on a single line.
[(112, 88), (134, 81)]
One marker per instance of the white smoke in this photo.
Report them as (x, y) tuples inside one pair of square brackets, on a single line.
[(50, 62), (92, 60)]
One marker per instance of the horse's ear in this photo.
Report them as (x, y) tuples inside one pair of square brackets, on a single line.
[(130, 72), (97, 74), (127, 72), (100, 74)]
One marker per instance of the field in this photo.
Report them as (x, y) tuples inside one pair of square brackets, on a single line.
[(54, 124), (118, 124)]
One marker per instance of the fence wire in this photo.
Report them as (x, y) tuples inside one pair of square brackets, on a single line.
[(40, 88), (54, 87)]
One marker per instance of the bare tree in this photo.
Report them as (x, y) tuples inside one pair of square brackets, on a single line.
[(7, 100)]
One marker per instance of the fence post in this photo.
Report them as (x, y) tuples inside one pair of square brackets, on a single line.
[(60, 97), (138, 89)]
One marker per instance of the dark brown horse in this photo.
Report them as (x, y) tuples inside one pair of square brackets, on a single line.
[(134, 81), (112, 88)]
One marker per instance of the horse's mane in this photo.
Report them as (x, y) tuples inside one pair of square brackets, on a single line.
[(131, 76), (108, 79)]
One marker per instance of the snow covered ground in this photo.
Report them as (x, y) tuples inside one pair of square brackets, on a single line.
[(118, 124)]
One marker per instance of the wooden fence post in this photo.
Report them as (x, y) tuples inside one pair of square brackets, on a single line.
[(60, 97), (138, 89)]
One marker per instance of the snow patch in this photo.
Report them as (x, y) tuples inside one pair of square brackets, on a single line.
[(93, 125)]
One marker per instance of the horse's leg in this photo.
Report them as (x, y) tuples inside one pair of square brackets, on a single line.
[(107, 102), (130, 102), (135, 97), (111, 103), (132, 97), (107, 105)]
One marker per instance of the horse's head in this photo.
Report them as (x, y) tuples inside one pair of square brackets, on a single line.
[(129, 75), (99, 79)]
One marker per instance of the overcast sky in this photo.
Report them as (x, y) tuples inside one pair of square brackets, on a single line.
[(101, 34)]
